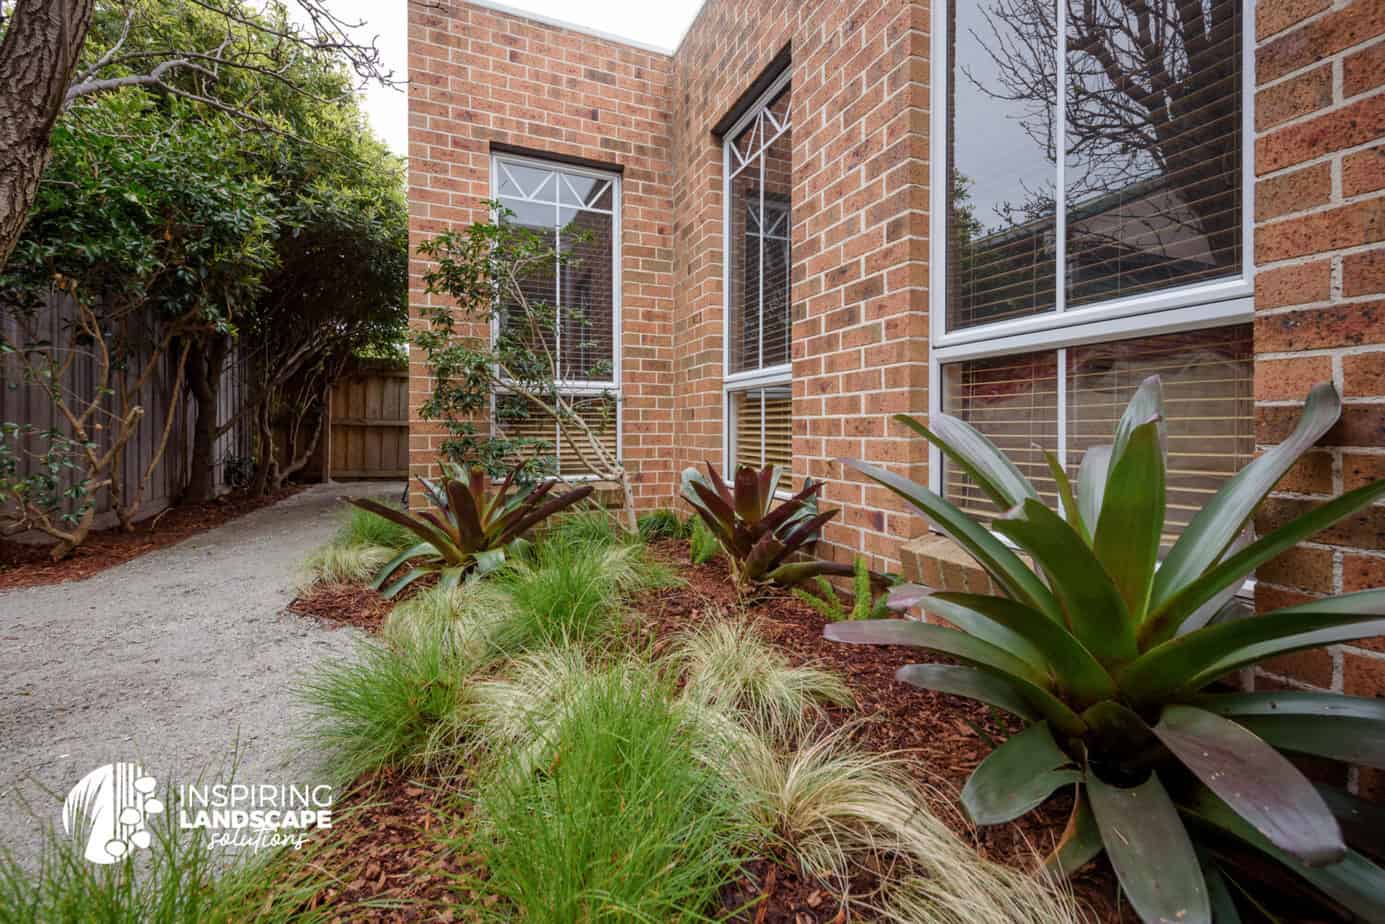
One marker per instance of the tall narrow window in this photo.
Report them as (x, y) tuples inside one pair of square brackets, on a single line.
[(1093, 231), (759, 219), (576, 211)]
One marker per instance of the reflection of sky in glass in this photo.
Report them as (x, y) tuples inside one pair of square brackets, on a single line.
[(990, 146)]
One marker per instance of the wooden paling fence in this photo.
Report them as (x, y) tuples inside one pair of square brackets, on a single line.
[(369, 414)]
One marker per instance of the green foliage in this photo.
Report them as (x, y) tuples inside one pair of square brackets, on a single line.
[(1109, 660), (584, 528), (757, 537), (474, 528), (573, 593), (661, 524), (865, 602), (702, 544), (181, 879), (628, 825), (337, 563), (390, 705), (726, 665), (362, 527), (482, 269)]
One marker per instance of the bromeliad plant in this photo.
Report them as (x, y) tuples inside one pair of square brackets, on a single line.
[(472, 529), (758, 537), (1110, 655)]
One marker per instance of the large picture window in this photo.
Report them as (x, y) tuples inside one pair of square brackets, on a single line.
[(758, 221), (1091, 216), (577, 212)]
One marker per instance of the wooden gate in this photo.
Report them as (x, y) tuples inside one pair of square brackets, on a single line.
[(369, 436)]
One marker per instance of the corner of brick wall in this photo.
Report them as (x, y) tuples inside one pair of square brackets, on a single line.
[(481, 77), (1320, 307)]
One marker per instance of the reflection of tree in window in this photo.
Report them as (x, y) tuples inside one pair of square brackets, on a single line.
[(1151, 141)]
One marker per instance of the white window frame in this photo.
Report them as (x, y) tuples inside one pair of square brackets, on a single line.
[(578, 387), (1197, 306), (781, 373)]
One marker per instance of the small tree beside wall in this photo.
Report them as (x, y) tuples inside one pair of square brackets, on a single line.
[(488, 271)]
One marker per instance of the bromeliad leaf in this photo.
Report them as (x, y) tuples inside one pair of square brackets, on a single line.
[(1017, 776), (1132, 518), (758, 537), (1142, 833), (972, 683), (470, 533), (987, 466), (1092, 604), (1213, 528), (1255, 780)]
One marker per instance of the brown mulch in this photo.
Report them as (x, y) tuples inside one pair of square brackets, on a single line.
[(941, 735), (344, 605), (391, 853), (25, 564), (391, 861)]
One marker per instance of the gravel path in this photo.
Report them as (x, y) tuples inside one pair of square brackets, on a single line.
[(183, 660)]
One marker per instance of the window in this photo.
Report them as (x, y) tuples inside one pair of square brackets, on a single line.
[(577, 211), (1094, 236), (758, 221)]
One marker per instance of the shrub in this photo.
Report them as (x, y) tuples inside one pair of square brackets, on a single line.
[(757, 537), (725, 664), (627, 825), (661, 524), (865, 603), (702, 545), (1109, 660), (475, 528)]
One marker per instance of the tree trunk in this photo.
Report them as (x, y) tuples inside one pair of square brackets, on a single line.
[(204, 381), (38, 56)]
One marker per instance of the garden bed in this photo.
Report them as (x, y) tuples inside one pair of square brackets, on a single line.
[(943, 738), (25, 564)]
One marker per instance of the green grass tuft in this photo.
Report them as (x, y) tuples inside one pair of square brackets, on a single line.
[(702, 545), (573, 593), (726, 664), (180, 879), (584, 528), (390, 705), (343, 564), (627, 824), (661, 524), (365, 528)]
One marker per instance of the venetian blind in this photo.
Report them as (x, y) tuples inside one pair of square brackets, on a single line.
[(764, 427), (1208, 402)]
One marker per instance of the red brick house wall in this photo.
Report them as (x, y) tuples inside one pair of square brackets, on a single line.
[(860, 245), (859, 241), (1320, 299), (480, 79)]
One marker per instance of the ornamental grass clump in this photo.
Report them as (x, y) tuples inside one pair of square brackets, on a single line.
[(726, 665), (473, 528), (1110, 654), (625, 823)]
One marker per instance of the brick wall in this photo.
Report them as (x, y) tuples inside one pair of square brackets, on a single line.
[(479, 78), (859, 241), (1320, 302)]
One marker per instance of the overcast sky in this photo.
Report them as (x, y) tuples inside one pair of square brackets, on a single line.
[(652, 22)]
